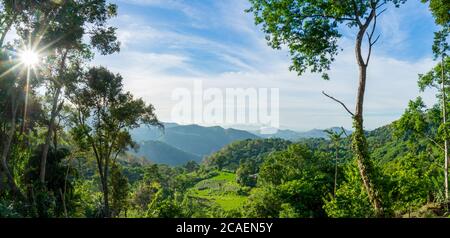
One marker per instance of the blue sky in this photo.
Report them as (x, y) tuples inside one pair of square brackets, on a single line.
[(167, 44)]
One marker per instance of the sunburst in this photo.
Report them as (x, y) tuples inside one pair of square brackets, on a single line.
[(29, 58)]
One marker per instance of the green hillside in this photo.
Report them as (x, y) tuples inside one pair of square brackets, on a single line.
[(203, 141), (178, 144), (162, 153), (221, 190), (230, 156)]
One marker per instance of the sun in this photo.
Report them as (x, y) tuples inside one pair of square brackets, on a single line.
[(29, 57)]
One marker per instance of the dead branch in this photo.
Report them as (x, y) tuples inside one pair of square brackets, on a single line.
[(340, 102)]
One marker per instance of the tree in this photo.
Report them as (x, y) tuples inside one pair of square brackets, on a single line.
[(246, 174), (440, 10), (120, 190), (191, 166), (310, 29), (292, 181), (335, 139), (9, 12), (438, 78), (11, 97), (57, 29), (14, 91), (58, 199), (104, 115)]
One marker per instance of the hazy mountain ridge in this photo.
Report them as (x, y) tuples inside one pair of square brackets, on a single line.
[(194, 141), (161, 153), (178, 144), (296, 135)]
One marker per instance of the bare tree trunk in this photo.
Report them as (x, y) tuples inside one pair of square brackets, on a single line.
[(444, 116), (359, 143), (50, 129)]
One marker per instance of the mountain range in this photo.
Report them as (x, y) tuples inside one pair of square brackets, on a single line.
[(296, 136), (178, 144)]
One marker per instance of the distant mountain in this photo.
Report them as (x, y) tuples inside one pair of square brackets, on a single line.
[(162, 153), (317, 133), (178, 144), (194, 140), (282, 134), (295, 136), (145, 133)]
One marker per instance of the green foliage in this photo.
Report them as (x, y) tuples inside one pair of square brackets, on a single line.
[(440, 10), (56, 198), (7, 210), (263, 203), (103, 116), (89, 173), (350, 200), (119, 192), (433, 79), (413, 121), (309, 28), (293, 179), (220, 190), (410, 183), (230, 156), (89, 203), (247, 173), (164, 205)]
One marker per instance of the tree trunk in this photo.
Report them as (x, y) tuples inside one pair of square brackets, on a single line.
[(359, 143), (53, 115), (444, 116), (106, 196), (48, 138), (336, 169), (6, 148)]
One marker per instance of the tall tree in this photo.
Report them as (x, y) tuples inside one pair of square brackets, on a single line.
[(335, 137), (310, 29), (57, 29), (104, 115), (13, 90), (438, 76), (11, 97)]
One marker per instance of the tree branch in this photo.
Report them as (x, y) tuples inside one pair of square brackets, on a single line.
[(370, 36), (340, 102), (381, 12), (382, 4), (355, 8), (330, 17), (434, 142)]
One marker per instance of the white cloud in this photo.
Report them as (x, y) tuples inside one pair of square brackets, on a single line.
[(179, 5), (154, 75)]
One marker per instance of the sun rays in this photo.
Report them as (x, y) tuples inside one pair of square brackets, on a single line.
[(29, 58)]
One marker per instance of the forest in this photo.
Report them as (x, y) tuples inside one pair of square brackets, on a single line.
[(68, 129)]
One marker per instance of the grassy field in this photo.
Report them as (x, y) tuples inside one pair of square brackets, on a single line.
[(221, 189)]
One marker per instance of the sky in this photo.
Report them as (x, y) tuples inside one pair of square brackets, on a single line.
[(168, 44)]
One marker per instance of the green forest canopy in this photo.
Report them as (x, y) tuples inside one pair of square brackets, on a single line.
[(64, 152)]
